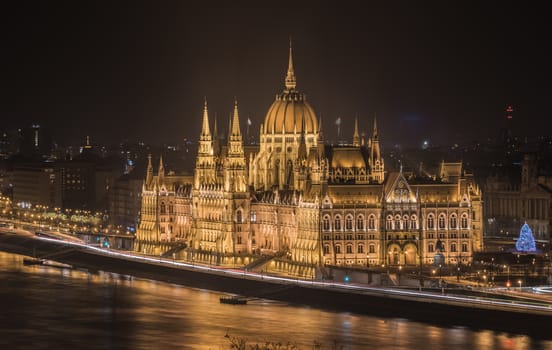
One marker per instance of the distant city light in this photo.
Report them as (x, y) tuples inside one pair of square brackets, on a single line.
[(425, 144)]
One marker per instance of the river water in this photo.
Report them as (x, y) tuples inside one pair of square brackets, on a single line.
[(55, 308)]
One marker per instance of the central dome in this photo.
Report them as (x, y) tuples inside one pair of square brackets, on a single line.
[(290, 112)]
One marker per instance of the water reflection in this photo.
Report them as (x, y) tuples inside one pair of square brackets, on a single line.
[(45, 307)]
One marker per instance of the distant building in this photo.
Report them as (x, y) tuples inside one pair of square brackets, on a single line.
[(81, 183), (37, 183), (514, 196), (306, 204), (125, 199)]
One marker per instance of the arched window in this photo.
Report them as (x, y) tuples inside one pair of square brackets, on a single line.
[(371, 249), (349, 222), (453, 221), (349, 248), (464, 221), (239, 217), (430, 248), (326, 249), (413, 222), (430, 222), (453, 247), (405, 222), (171, 208), (360, 249), (371, 222), (338, 249), (163, 209), (398, 223), (337, 223), (442, 221), (360, 223), (326, 223), (464, 247), (389, 222)]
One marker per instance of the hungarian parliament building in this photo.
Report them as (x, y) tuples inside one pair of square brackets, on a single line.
[(296, 204)]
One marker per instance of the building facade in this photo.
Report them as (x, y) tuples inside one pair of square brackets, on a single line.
[(297, 204)]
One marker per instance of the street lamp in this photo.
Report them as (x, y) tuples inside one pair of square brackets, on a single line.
[(519, 282), (399, 279), (507, 267)]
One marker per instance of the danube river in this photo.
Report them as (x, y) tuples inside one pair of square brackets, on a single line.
[(57, 308)]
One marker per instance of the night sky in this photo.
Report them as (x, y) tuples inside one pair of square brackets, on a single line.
[(443, 71)]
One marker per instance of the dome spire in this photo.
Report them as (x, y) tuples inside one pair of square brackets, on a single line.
[(375, 131), (290, 76)]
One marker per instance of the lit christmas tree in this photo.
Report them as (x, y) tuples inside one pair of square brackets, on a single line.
[(525, 242)]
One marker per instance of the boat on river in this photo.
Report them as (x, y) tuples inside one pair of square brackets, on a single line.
[(234, 300)]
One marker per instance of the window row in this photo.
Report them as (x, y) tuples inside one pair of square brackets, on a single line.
[(360, 224), (349, 249), (431, 248), (398, 222), (452, 222)]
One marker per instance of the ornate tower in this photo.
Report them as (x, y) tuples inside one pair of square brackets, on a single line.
[(235, 226), (289, 119), (205, 171), (376, 162)]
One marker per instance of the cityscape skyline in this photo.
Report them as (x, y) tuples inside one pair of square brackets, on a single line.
[(141, 73)]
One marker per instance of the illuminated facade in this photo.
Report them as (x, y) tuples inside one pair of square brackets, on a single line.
[(298, 204)]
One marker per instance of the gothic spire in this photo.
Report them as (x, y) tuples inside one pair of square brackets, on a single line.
[(161, 171), (235, 122), (216, 141), (356, 138), (149, 172), (375, 132), (320, 133), (290, 76), (205, 130)]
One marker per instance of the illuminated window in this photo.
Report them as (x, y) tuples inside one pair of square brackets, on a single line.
[(349, 222), (360, 223), (464, 221), (453, 221), (337, 223), (253, 216), (372, 222), (398, 223), (326, 223), (442, 221), (413, 222), (430, 222), (389, 223)]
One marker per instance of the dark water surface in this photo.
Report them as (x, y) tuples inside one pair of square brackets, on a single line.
[(53, 308)]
